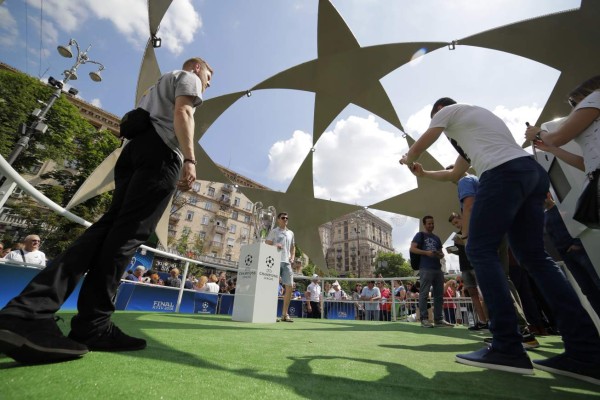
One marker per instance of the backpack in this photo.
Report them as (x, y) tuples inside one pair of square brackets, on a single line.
[(415, 259)]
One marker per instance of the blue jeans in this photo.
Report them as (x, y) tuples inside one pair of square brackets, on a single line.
[(510, 201), (435, 280)]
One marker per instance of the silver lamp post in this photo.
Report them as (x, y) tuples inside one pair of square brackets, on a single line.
[(37, 124)]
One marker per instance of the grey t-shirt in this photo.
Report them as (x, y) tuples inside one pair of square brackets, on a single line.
[(159, 101)]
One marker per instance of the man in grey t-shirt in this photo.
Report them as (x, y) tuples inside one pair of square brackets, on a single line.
[(151, 165)]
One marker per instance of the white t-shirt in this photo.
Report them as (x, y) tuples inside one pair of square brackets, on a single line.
[(483, 137), (315, 291), (589, 139), (285, 237), (35, 257), (211, 287)]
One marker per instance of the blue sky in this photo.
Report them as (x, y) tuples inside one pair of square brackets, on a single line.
[(266, 136)]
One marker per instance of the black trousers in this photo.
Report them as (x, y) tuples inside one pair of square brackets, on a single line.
[(145, 177)]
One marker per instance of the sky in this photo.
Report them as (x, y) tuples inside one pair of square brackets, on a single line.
[(266, 136)]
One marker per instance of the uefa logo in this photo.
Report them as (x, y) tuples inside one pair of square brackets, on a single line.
[(248, 260), (205, 305)]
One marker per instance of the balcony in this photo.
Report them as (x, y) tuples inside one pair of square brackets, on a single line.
[(223, 214), (227, 188), (216, 245), (174, 218), (220, 229), (225, 200)]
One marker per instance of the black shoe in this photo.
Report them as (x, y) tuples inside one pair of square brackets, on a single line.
[(479, 326), (34, 341), (112, 339), (564, 365), (492, 359)]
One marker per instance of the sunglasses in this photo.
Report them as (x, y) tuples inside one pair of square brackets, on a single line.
[(284, 218)]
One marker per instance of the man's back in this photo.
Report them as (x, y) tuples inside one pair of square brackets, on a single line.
[(484, 137)]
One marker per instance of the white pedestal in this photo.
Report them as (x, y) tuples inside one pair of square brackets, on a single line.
[(257, 284)]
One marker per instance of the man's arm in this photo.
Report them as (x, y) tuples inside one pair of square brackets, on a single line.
[(414, 249), (572, 159), (445, 175), (419, 147), (183, 120), (466, 215)]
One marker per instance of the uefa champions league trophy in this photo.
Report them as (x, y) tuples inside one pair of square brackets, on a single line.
[(263, 220), (258, 272)]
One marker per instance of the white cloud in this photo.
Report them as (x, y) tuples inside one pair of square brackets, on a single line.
[(8, 28), (177, 29), (515, 119), (96, 102), (357, 163), (285, 157)]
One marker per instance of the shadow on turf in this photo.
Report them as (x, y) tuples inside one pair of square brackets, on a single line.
[(309, 378)]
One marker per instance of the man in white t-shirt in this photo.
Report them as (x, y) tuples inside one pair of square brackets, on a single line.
[(510, 197), (30, 254), (313, 298), (371, 296), (283, 238)]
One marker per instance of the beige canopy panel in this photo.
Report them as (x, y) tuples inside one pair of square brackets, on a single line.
[(568, 41), (305, 212), (346, 73)]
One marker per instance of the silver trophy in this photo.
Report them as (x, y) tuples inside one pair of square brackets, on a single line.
[(263, 220)]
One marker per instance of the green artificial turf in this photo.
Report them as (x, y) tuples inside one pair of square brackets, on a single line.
[(211, 357)]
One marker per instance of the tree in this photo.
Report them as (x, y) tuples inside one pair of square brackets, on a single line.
[(392, 264), (70, 140)]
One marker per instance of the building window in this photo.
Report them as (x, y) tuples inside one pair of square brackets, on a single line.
[(189, 216), (236, 202), (208, 206), (232, 228), (186, 230), (230, 242), (234, 215), (193, 200), (205, 220), (247, 219), (249, 206), (202, 235), (196, 187), (211, 192)]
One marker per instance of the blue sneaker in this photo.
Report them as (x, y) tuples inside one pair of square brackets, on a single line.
[(565, 365), (492, 359)]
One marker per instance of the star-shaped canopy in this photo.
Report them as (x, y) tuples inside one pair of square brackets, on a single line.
[(568, 41), (346, 73)]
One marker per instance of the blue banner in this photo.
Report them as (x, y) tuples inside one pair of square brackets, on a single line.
[(338, 310), (141, 257), (15, 278)]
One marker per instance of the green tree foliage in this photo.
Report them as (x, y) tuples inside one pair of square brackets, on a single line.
[(391, 265), (70, 140)]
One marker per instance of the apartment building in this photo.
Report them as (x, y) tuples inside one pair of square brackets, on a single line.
[(355, 240)]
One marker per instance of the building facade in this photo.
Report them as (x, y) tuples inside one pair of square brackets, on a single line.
[(355, 240), (213, 219)]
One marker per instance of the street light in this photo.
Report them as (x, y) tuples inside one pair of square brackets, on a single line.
[(39, 116), (357, 220), (38, 119)]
